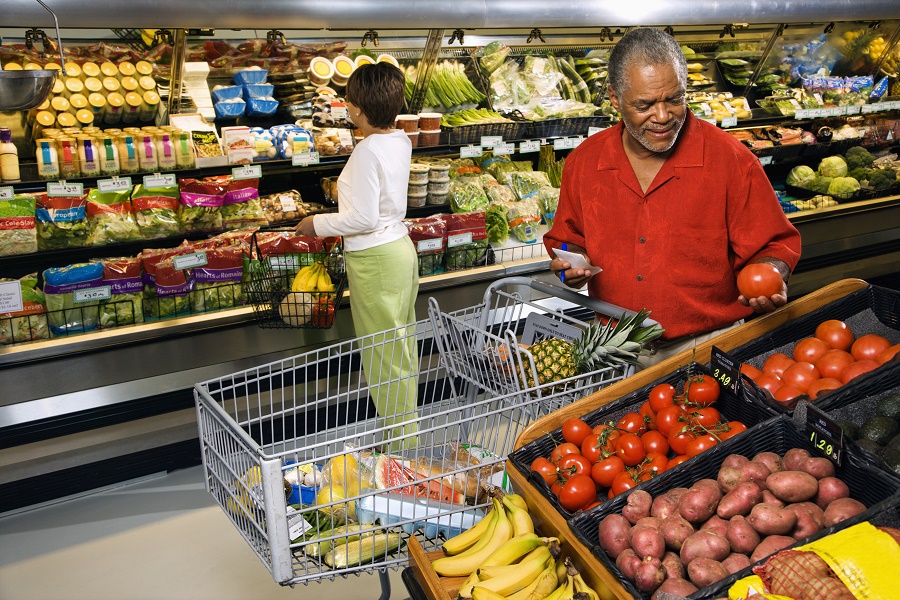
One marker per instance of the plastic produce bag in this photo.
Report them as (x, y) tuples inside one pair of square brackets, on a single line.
[(466, 240), (30, 323), (492, 56), (467, 195), (523, 218), (201, 204), (125, 305), (527, 183), (241, 207), (495, 222), (61, 222), (18, 233), (217, 283), (168, 304), (69, 307), (111, 218), (548, 198), (499, 193), (156, 210), (501, 170), (428, 234)]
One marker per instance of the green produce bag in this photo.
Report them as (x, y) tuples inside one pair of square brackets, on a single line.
[(61, 222), (111, 218), (18, 234), (125, 305), (156, 210)]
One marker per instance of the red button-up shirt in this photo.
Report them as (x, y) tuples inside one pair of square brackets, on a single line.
[(675, 249)]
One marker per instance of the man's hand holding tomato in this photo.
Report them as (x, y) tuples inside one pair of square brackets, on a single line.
[(762, 285)]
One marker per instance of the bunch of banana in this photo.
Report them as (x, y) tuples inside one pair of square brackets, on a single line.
[(314, 278), (503, 558)]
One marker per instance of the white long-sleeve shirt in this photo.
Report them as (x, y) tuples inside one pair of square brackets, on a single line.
[(371, 193)]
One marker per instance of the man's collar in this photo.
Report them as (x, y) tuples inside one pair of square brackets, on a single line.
[(688, 148)]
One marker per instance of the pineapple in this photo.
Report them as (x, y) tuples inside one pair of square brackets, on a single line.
[(614, 344)]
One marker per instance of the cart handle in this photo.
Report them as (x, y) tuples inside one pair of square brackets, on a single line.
[(604, 308)]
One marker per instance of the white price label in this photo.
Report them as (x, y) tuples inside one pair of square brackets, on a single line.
[(562, 144), (529, 146), (116, 184), (765, 160), (10, 297), (339, 111), (426, 245), (94, 294), (284, 263), (803, 113), (504, 149), (305, 158), (470, 151), (287, 203), (297, 525), (818, 113), (7, 193), (489, 141), (159, 181), (892, 105), (459, 239), (61, 188), (710, 121), (189, 261), (853, 110), (840, 111), (593, 130), (729, 122), (247, 172), (576, 141), (869, 108)]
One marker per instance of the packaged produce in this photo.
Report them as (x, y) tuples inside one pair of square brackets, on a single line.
[(548, 198), (61, 221), (67, 310), (125, 305), (501, 169), (170, 297), (30, 323), (466, 240), (156, 210), (284, 206), (527, 183), (241, 207), (495, 222), (500, 193), (467, 195), (18, 230), (524, 217), (217, 284), (428, 234), (111, 217), (201, 204)]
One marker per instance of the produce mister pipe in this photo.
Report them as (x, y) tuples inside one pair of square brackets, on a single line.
[(177, 73), (62, 61)]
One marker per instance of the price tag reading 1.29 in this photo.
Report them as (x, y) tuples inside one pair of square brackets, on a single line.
[(725, 370), (825, 435)]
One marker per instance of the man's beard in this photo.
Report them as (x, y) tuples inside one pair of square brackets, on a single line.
[(638, 135)]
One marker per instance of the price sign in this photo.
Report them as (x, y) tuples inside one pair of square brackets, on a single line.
[(504, 149), (61, 188), (7, 193), (529, 146), (840, 111), (817, 113), (593, 130), (157, 181), (577, 141), (302, 159), (426, 245), (853, 110), (94, 294), (459, 239), (803, 113), (286, 262), (10, 297), (470, 151), (729, 122), (868, 108), (824, 434), (895, 104), (116, 184), (725, 370), (287, 203), (563, 143), (489, 141), (247, 172), (765, 160), (189, 261)]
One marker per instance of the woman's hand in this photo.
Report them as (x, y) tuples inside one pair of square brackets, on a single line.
[(306, 227)]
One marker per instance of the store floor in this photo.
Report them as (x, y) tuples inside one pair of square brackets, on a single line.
[(158, 539)]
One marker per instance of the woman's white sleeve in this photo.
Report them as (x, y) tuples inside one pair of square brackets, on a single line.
[(363, 206)]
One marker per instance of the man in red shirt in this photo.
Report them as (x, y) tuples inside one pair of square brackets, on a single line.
[(669, 206)]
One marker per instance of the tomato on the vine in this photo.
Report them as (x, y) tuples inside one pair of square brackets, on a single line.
[(700, 444), (655, 463), (591, 448), (661, 396), (556, 486), (655, 442), (869, 346), (632, 423), (606, 470), (674, 462), (630, 449), (649, 415), (706, 416), (668, 418), (574, 464), (679, 440), (577, 493), (836, 334), (608, 435), (759, 279), (734, 428), (622, 482), (702, 390), (562, 450), (575, 430)]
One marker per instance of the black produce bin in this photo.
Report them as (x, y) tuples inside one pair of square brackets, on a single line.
[(873, 309), (730, 406), (868, 483)]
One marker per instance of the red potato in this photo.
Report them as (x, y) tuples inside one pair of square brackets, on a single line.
[(664, 506), (716, 524), (704, 544), (730, 477), (841, 510), (705, 571), (673, 566), (648, 541), (628, 562), (735, 562), (614, 533), (772, 520), (648, 522), (709, 484), (676, 493), (650, 575), (741, 535), (793, 458), (677, 587), (675, 530), (809, 519), (740, 500), (734, 461), (698, 505), (818, 467), (638, 506), (771, 460), (792, 486), (769, 498), (830, 489), (756, 472), (770, 545)]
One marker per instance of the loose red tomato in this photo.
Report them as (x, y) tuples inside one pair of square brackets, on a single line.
[(648, 414), (810, 350), (833, 363), (606, 470), (674, 462), (592, 448), (836, 334), (820, 387), (869, 346), (734, 428), (623, 481), (702, 390), (655, 463), (856, 369), (578, 492), (544, 468), (706, 416), (632, 423), (574, 464), (556, 486), (630, 449), (759, 279), (768, 382), (562, 450), (668, 418), (886, 355), (575, 430), (679, 440), (323, 313), (700, 444), (750, 371), (655, 442), (777, 364), (801, 374), (787, 392), (661, 396)]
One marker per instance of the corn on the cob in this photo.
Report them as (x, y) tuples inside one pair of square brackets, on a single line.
[(363, 551)]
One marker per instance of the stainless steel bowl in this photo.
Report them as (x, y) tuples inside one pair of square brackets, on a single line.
[(22, 90)]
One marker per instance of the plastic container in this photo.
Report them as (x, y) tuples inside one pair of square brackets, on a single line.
[(109, 69), (127, 69), (143, 68), (147, 83), (132, 109), (429, 138), (65, 119), (109, 155), (128, 153), (430, 121), (9, 157), (436, 199), (428, 515), (67, 151), (364, 59), (97, 102), (59, 104), (85, 117), (129, 84), (88, 157), (408, 123), (146, 152), (114, 105), (73, 86), (416, 200), (418, 173), (343, 67), (388, 58), (149, 107), (413, 139), (90, 69), (417, 189), (92, 84), (439, 187), (184, 150), (249, 76), (320, 71), (165, 152), (439, 172), (77, 102), (111, 84)]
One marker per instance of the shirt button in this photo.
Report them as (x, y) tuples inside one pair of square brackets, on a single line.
[(642, 240), (640, 277)]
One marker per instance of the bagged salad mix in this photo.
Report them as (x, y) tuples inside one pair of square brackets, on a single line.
[(467, 240), (18, 232), (156, 210), (217, 284), (241, 207), (428, 235), (499, 193), (30, 323), (61, 221), (71, 298), (170, 296), (548, 199), (125, 305), (523, 218), (501, 170), (527, 183), (495, 222), (201, 204), (111, 218), (467, 195)]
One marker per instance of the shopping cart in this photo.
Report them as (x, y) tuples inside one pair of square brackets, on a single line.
[(486, 345)]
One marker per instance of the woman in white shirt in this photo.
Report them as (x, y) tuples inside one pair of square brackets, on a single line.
[(381, 261)]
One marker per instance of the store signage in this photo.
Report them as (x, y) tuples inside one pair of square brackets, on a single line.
[(470, 151), (94, 294), (853, 110), (726, 370), (459, 239), (803, 113), (301, 159), (7, 193), (427, 245), (285, 262), (711, 121), (247, 172), (10, 297), (729, 122), (61, 188), (529, 146), (489, 141), (825, 435), (189, 261), (765, 160), (565, 143), (116, 184), (159, 181), (287, 203), (504, 149), (593, 130)]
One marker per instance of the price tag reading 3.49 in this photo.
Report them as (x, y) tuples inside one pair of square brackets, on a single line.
[(725, 370)]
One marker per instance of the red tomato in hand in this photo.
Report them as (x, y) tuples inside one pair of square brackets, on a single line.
[(810, 350), (632, 423), (574, 464), (630, 449), (820, 387), (575, 430), (750, 371), (661, 396), (869, 346), (759, 279), (668, 418), (833, 363), (702, 390), (544, 468), (836, 334), (886, 355), (562, 450), (623, 481), (679, 440), (606, 470), (577, 493), (777, 364), (858, 368), (655, 442), (701, 444), (801, 374), (734, 428)]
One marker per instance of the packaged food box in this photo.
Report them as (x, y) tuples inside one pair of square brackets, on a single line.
[(415, 514)]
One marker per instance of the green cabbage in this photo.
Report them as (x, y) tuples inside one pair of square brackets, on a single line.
[(833, 166), (819, 184), (800, 176), (843, 186)]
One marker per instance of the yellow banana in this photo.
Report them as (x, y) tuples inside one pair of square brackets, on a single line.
[(582, 586), (305, 279), (538, 589), (468, 538), (485, 573), (514, 580), (462, 565), (520, 518), (324, 284), (513, 550), (560, 573), (483, 594), (517, 500)]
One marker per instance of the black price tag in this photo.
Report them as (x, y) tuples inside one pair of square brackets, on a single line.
[(725, 370), (824, 434)]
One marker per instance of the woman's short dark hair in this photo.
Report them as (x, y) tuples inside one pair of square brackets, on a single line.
[(377, 90)]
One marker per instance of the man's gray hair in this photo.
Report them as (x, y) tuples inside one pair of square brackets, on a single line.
[(645, 46)]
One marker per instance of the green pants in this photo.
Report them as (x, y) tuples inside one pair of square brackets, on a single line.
[(384, 283)]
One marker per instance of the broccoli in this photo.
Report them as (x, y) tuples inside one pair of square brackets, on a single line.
[(858, 156), (859, 173), (819, 184), (882, 179)]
